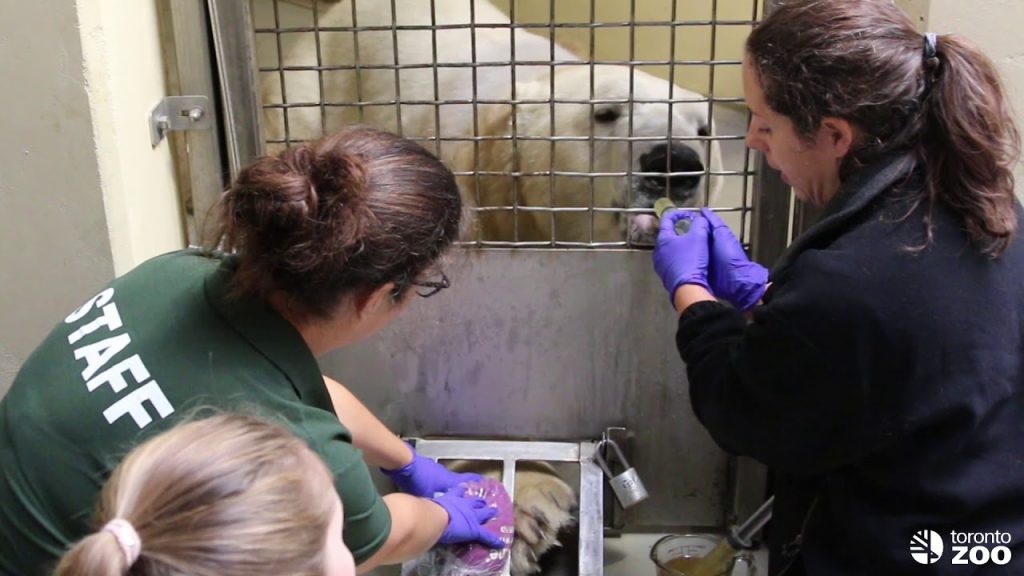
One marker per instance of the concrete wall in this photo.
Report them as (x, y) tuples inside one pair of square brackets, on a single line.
[(82, 194), (54, 244)]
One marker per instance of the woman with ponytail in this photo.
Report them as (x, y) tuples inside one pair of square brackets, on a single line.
[(228, 495), (324, 244), (878, 368)]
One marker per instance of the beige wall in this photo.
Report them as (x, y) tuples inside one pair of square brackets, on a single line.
[(82, 194), (917, 10), (995, 26), (692, 42)]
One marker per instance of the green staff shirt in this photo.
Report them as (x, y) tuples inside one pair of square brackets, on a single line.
[(156, 345)]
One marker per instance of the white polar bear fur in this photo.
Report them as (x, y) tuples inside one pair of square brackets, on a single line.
[(492, 83)]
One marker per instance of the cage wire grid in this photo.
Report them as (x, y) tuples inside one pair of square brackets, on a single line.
[(740, 210)]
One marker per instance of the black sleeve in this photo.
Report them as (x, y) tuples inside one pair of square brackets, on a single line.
[(788, 388)]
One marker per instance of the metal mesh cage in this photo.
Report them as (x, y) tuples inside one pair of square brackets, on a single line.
[(563, 121)]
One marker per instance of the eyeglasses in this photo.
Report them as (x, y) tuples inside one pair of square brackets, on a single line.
[(431, 287)]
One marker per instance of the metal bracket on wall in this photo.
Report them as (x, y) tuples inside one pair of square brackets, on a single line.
[(179, 113)]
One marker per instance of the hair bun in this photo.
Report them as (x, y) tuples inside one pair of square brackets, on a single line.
[(300, 188), (338, 181), (272, 192), (337, 177)]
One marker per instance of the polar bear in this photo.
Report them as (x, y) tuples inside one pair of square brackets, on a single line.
[(576, 158), (508, 167)]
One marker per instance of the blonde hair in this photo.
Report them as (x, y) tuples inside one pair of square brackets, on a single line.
[(223, 496)]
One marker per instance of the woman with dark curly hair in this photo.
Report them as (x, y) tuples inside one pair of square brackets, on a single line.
[(880, 372)]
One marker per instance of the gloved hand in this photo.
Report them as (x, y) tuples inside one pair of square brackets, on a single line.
[(732, 275), (466, 517), (682, 258), (424, 477)]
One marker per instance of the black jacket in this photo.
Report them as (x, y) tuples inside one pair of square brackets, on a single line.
[(882, 380)]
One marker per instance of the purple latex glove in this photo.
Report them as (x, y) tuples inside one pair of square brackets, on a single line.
[(682, 258), (424, 477), (733, 276), (466, 518)]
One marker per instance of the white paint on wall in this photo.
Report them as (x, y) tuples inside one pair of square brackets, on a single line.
[(125, 78)]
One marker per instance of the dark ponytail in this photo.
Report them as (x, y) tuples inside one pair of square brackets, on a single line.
[(970, 144), (352, 211), (864, 61)]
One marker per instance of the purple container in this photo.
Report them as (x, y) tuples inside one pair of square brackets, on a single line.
[(479, 558)]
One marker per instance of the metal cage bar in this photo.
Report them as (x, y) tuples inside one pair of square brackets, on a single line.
[(632, 89), (498, 63), (239, 96), (671, 112), (286, 120), (551, 124), (398, 77), (357, 67), (319, 66), (437, 91), (515, 122), (437, 100), (476, 114), (513, 26), (593, 137), (711, 96)]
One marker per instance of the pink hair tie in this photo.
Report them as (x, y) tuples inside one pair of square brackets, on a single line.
[(127, 538)]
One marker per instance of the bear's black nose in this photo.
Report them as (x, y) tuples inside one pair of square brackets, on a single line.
[(677, 158)]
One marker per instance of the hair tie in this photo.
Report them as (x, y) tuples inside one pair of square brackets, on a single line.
[(930, 66), (127, 538), (930, 45)]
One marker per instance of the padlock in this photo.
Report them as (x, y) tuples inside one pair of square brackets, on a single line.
[(628, 487)]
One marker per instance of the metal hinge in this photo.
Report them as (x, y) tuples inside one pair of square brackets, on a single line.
[(179, 113)]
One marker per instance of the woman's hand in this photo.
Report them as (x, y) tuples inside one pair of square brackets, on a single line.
[(466, 517), (425, 477), (682, 258), (732, 276)]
